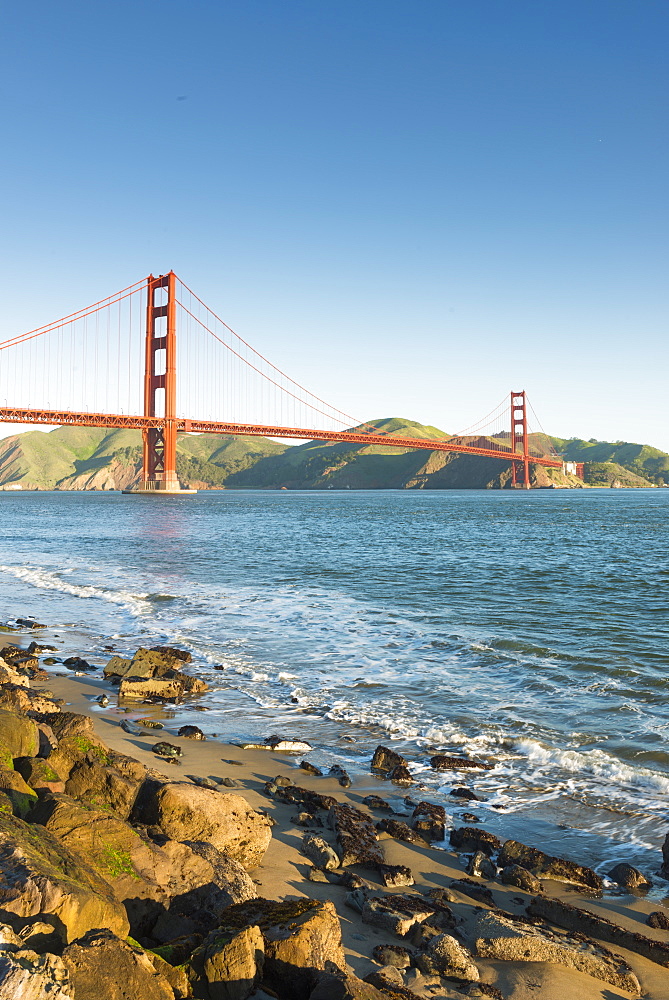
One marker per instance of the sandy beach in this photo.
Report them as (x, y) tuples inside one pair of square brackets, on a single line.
[(284, 870)]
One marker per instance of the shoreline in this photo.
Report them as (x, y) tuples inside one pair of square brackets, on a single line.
[(283, 872)]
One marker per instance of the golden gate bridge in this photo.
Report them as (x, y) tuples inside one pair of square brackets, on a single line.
[(114, 364)]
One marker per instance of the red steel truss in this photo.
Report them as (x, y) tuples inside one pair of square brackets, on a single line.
[(14, 415)]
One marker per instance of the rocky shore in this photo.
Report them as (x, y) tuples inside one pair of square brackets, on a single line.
[(146, 860)]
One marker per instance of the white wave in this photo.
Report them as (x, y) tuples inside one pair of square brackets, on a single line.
[(595, 763), (45, 579)]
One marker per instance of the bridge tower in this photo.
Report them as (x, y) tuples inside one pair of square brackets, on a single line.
[(519, 441), (159, 451)]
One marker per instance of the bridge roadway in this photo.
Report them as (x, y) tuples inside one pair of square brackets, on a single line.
[(16, 415)]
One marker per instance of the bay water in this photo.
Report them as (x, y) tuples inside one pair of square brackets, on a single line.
[(528, 629)]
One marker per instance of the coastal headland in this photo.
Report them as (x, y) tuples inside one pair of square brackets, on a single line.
[(139, 855)]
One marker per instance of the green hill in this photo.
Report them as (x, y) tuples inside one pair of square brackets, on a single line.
[(80, 458), (650, 464), (85, 458)]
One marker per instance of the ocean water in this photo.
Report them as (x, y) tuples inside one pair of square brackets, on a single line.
[(526, 629)]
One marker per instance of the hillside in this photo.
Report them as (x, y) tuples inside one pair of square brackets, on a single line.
[(319, 465), (78, 458), (650, 464), (90, 458)]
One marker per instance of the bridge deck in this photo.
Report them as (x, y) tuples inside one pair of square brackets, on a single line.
[(16, 415)]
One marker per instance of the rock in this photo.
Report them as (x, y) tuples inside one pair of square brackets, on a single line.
[(36, 647), (191, 733), (343, 986), (282, 782), (167, 688), (21, 796), (396, 913), (441, 762), (441, 897), (464, 793), (19, 737), (100, 957), (164, 749), (389, 983), (40, 937), (174, 975), (227, 782), (501, 938), (202, 782), (429, 820), (300, 936), (356, 836), (392, 954), (341, 775), (401, 775), (385, 760), (376, 802), (102, 700), (304, 796), (25, 975), (223, 819), (447, 957), (8, 675), (659, 920), (106, 779), (15, 698), (468, 839), (545, 865), (520, 877), (173, 652), (279, 745), (204, 883), (228, 965), (311, 768), (131, 727), (78, 663), (320, 853), (317, 875), (473, 889), (394, 876), (481, 866), (629, 877), (150, 724), (307, 819), (356, 899), (572, 918), (348, 879), (42, 877), (75, 739), (401, 831), (29, 623)]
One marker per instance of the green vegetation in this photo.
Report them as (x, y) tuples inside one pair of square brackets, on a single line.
[(94, 458), (117, 862)]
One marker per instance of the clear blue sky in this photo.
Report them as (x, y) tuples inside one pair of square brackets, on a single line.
[(412, 207)]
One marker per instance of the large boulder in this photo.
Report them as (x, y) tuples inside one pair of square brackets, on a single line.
[(111, 782), (101, 965), (501, 938), (546, 866), (39, 774), (20, 699), (301, 937), (344, 986), (20, 794), (228, 964), (187, 812), (75, 739), (19, 737), (42, 877), (170, 686), (25, 975)]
